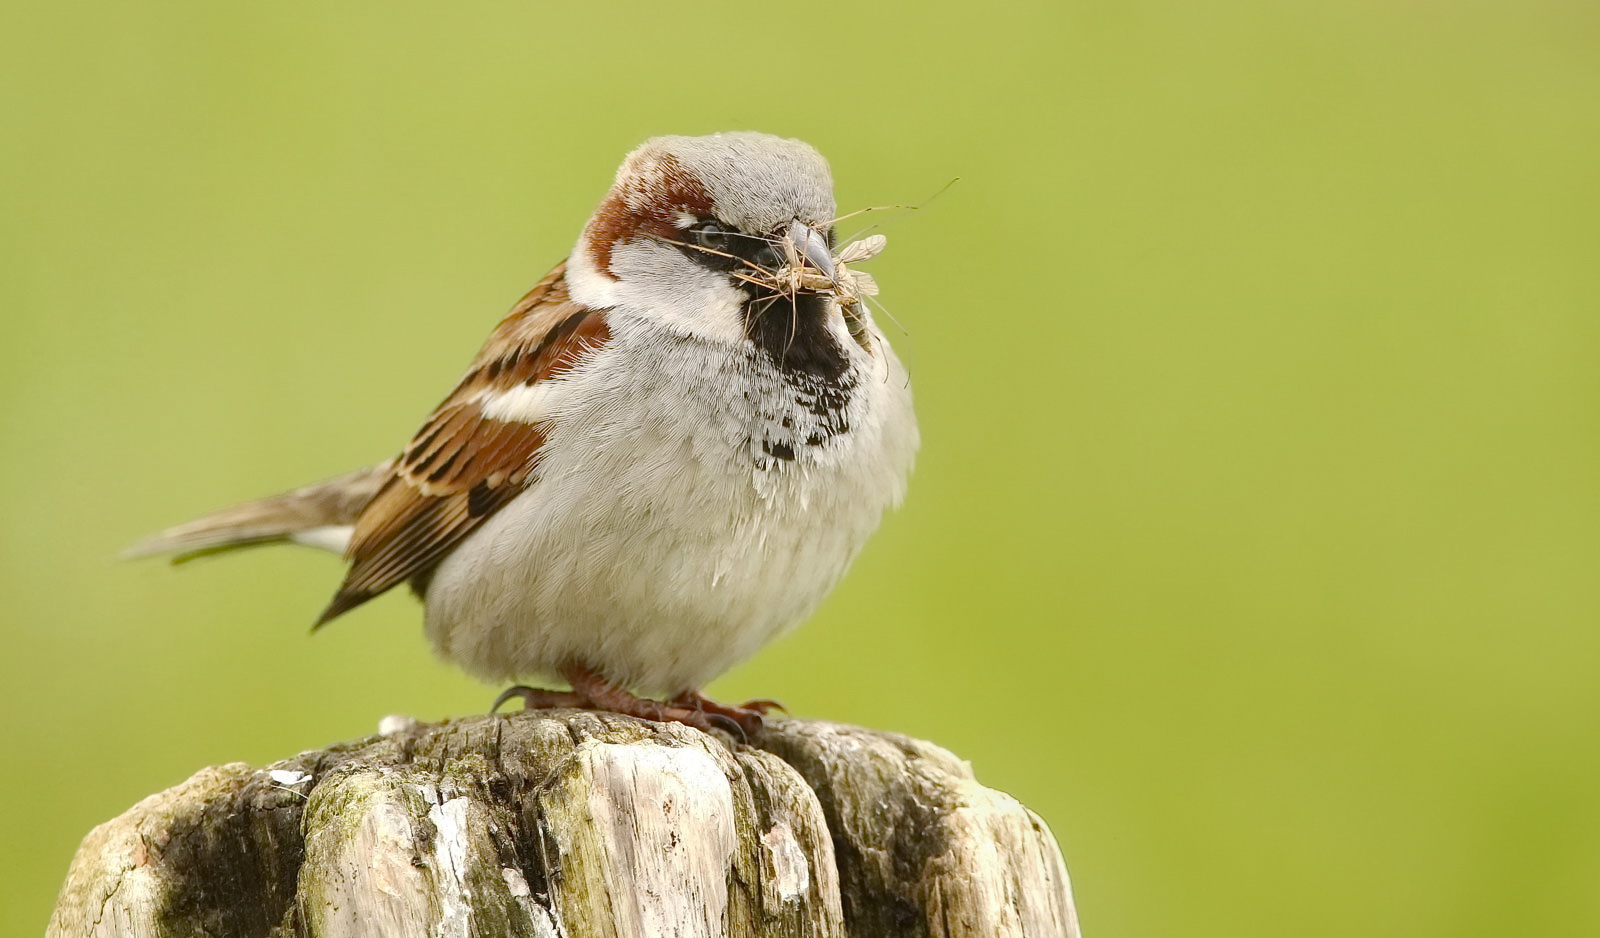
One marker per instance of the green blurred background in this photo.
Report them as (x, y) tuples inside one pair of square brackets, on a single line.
[(1253, 542)]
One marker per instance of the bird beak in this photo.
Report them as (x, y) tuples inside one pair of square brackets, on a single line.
[(809, 247)]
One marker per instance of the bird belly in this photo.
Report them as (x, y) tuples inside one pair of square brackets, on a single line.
[(662, 606), (662, 550)]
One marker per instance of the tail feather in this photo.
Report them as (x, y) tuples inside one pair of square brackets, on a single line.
[(318, 515)]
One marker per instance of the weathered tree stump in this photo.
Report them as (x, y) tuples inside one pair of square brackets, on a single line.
[(576, 824)]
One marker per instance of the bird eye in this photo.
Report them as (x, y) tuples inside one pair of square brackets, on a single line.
[(716, 245), (710, 234)]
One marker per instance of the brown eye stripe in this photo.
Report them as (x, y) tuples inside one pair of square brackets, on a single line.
[(648, 205)]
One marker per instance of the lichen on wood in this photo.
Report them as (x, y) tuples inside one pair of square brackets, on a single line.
[(577, 824)]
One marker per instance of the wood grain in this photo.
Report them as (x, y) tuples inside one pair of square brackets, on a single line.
[(578, 824)]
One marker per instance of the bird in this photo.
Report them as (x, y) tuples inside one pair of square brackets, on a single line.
[(663, 458)]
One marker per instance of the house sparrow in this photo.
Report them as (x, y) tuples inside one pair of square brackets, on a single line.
[(662, 459)]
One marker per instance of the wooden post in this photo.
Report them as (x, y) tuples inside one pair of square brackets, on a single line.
[(577, 824)]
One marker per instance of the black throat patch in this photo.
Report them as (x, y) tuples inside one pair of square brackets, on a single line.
[(792, 332)]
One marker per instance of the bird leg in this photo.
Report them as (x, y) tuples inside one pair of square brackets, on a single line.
[(591, 691)]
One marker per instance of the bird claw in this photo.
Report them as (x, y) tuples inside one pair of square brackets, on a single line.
[(537, 698), (748, 717), (728, 725)]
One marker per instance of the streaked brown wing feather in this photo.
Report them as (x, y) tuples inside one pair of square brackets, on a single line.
[(462, 466)]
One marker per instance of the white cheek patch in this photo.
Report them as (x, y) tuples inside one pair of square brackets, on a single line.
[(523, 403), (588, 285), (657, 281)]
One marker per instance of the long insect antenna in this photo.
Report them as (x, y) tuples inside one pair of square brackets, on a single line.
[(759, 309), (942, 190), (858, 234), (793, 300), (705, 250), (913, 207), (870, 208), (885, 310), (772, 242)]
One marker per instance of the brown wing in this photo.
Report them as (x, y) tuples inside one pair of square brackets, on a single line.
[(464, 465)]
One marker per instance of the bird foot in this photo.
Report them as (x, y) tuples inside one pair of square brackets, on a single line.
[(747, 715), (590, 691)]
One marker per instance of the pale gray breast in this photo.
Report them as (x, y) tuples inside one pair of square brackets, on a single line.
[(690, 498)]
